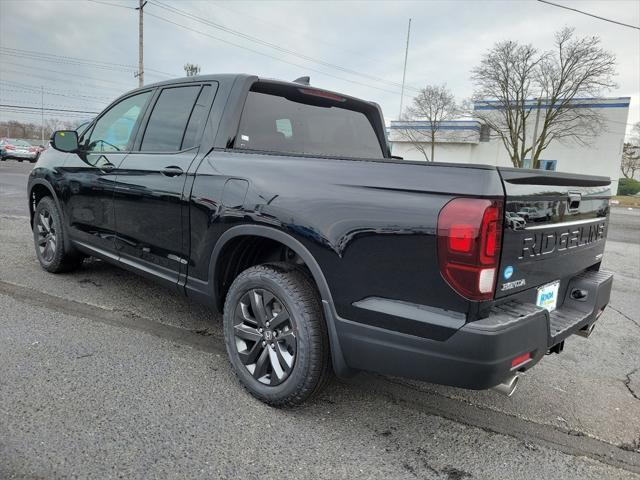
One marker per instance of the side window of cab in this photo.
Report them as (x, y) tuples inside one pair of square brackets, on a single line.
[(114, 130)]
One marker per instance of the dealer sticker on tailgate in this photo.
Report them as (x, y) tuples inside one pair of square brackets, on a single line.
[(548, 296)]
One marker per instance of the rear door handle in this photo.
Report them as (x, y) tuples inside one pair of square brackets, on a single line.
[(107, 167), (172, 171)]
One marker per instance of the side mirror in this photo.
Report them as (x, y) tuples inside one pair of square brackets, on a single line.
[(65, 140)]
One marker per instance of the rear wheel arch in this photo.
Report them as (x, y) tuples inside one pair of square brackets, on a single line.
[(268, 239), (278, 237)]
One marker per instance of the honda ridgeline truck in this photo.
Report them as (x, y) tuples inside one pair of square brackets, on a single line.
[(280, 205)]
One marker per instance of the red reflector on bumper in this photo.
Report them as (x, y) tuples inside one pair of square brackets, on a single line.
[(516, 362)]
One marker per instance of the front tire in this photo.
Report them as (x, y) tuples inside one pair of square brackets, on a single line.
[(50, 239), (275, 334)]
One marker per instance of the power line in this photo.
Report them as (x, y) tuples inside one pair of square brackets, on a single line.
[(30, 73), (589, 14), (280, 27), (111, 4), (64, 93), (274, 46), (25, 107), (34, 55), (304, 67), (84, 103), (38, 113)]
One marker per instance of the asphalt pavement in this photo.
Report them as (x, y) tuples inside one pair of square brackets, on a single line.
[(106, 375)]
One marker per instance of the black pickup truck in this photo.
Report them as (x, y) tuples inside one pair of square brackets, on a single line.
[(280, 205)]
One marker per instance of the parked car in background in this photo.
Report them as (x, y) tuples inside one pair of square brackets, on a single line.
[(514, 221), (532, 214), (18, 149)]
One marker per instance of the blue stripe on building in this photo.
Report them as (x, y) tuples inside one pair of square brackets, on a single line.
[(577, 105), (442, 127)]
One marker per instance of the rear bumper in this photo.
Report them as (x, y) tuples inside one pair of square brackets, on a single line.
[(479, 354)]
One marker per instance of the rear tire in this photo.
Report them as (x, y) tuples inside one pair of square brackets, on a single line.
[(50, 239), (276, 335)]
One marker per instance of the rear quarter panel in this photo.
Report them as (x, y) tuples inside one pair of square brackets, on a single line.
[(370, 225)]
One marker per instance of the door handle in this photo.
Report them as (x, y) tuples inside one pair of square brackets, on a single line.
[(172, 171), (107, 167)]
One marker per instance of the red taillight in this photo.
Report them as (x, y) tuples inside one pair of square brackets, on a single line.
[(469, 238), (461, 237), (9, 147)]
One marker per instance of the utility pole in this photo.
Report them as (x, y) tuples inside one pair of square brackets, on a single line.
[(140, 73), (42, 115), (404, 71)]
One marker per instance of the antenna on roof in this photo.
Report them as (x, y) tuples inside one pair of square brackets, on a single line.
[(303, 80)]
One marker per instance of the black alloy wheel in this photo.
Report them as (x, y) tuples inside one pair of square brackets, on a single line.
[(265, 336), (276, 335), (53, 250), (46, 239)]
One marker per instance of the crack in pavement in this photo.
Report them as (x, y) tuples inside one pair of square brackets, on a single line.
[(624, 315), (627, 383), (567, 441), (431, 403)]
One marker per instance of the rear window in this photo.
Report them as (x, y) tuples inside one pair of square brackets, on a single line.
[(298, 121)]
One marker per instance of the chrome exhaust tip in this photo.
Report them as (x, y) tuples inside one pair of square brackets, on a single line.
[(586, 331), (507, 387)]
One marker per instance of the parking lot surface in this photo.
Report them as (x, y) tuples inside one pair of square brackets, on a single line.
[(106, 375)]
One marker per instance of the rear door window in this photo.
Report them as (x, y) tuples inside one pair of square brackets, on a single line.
[(307, 121), (168, 121)]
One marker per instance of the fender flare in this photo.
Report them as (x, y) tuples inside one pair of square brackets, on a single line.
[(339, 365), (48, 186), (41, 181)]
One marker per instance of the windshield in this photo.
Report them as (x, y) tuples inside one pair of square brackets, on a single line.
[(295, 121)]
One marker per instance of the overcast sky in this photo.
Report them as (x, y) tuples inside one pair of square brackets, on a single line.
[(365, 38)]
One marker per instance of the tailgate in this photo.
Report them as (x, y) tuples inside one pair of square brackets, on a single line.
[(555, 226)]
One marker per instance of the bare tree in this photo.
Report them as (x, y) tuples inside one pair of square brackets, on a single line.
[(631, 154), (433, 105), (31, 131), (630, 160), (510, 74), (191, 69)]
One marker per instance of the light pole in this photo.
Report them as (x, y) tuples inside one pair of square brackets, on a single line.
[(41, 115), (404, 71)]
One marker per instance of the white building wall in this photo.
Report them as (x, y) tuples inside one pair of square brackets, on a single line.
[(601, 157), (444, 152)]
